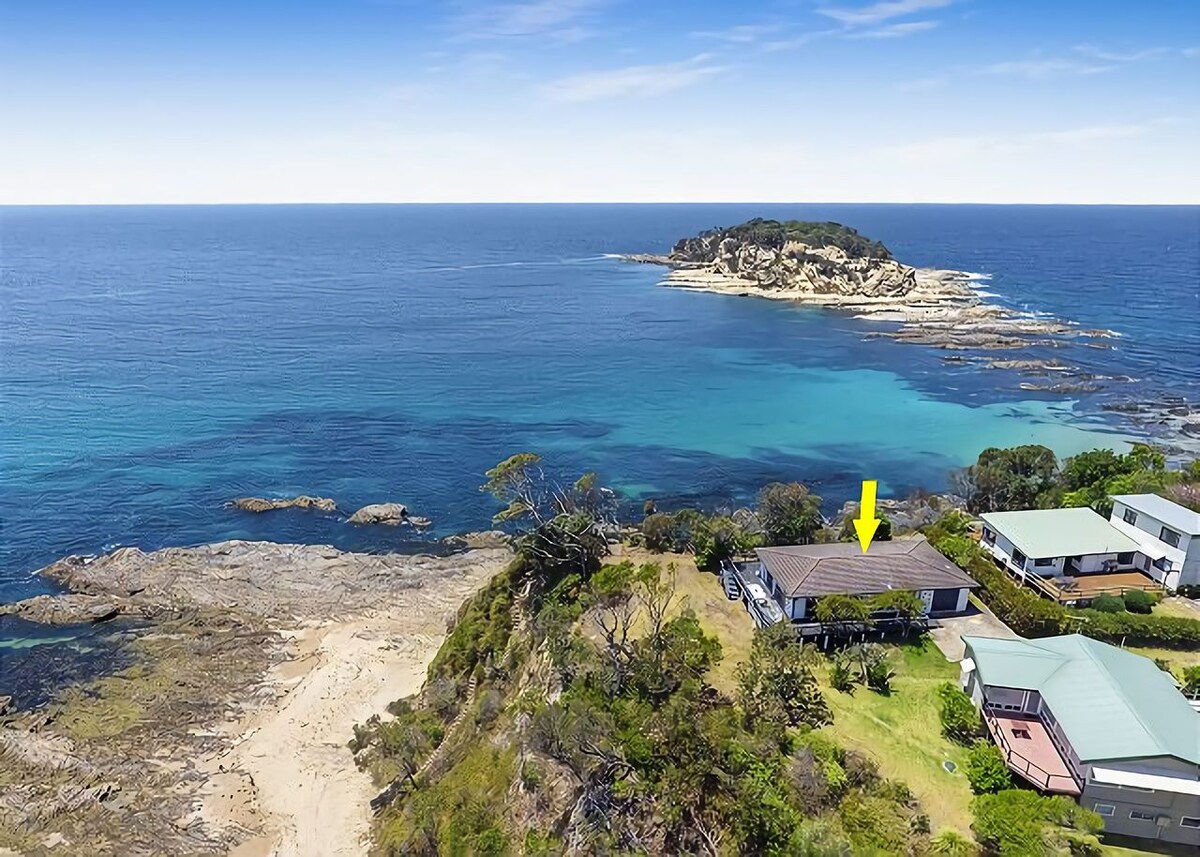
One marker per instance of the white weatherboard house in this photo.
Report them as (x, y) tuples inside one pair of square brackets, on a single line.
[(1059, 543), (1168, 536), (1078, 717)]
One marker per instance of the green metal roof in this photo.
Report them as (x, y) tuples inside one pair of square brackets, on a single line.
[(1111, 703), (1043, 533)]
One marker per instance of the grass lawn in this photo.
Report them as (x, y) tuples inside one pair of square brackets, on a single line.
[(1176, 607), (1177, 658), (901, 731)]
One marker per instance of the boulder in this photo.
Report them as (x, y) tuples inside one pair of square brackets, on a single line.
[(261, 504), (65, 609), (391, 514)]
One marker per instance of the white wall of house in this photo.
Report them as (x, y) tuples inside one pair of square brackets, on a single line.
[(1136, 811), (1184, 558), (1093, 563)]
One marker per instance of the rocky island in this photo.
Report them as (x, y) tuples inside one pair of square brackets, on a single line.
[(831, 265)]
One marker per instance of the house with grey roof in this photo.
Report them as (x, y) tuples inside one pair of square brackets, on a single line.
[(1168, 536), (1079, 717), (1079, 552), (796, 577)]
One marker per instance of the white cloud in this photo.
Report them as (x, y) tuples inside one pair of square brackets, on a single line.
[(553, 18), (894, 31), (1115, 56), (632, 81), (878, 13), (800, 41), (742, 34), (1041, 68)]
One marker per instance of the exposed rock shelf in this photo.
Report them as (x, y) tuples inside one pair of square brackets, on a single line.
[(228, 736)]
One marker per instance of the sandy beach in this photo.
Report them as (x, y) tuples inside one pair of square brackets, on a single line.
[(289, 778)]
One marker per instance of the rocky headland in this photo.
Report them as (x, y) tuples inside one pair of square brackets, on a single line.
[(830, 265), (228, 734)]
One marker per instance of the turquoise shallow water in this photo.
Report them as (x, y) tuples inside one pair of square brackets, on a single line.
[(157, 362)]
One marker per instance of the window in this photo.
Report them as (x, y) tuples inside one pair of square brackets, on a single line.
[(1130, 517), (1125, 559), (1188, 821), (1105, 809), (989, 536), (1018, 558), (1170, 537), (1139, 815), (1045, 561)]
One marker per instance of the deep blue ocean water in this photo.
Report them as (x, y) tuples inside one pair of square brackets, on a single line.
[(156, 362)]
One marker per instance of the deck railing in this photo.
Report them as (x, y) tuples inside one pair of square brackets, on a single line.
[(1030, 770)]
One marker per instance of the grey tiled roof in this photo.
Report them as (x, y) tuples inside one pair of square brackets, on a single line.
[(804, 571)]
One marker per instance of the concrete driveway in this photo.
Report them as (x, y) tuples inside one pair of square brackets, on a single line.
[(976, 622)]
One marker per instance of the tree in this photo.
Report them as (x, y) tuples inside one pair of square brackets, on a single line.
[(907, 605), (776, 685), (960, 720), (848, 534), (789, 513), (1096, 467), (833, 609), (1007, 479), (718, 539), (565, 525), (986, 769)]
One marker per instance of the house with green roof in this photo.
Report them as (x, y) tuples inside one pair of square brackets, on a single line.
[(1080, 552), (1079, 717)]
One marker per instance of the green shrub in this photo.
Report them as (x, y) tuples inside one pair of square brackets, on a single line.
[(1020, 823), (841, 674), (961, 722), (986, 769), (1137, 601), (1108, 604), (953, 844)]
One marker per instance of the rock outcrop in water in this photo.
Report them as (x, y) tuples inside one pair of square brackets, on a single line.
[(391, 514), (262, 504)]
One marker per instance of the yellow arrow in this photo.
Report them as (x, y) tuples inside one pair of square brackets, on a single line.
[(866, 523)]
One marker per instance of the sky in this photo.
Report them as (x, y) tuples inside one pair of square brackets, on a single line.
[(1001, 101)]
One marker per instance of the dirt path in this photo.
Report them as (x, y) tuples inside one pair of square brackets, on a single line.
[(292, 769)]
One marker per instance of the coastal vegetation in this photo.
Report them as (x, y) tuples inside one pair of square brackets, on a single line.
[(1031, 477), (584, 706), (607, 704), (775, 234)]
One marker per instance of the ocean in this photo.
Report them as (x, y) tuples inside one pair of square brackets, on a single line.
[(157, 362)]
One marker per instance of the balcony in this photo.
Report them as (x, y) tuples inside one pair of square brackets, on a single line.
[(1030, 752), (1085, 587)]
